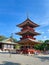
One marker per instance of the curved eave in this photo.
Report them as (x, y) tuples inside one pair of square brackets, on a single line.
[(28, 32), (25, 22), (29, 41), (33, 26), (23, 34)]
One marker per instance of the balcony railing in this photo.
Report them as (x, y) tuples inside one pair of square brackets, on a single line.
[(27, 28), (28, 37)]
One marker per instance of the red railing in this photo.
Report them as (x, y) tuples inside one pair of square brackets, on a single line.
[(24, 37), (27, 28)]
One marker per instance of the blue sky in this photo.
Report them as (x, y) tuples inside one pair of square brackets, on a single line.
[(13, 12)]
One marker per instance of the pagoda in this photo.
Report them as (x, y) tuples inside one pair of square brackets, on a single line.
[(27, 40)]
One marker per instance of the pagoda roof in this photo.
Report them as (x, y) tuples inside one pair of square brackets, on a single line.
[(28, 41), (28, 22), (28, 32)]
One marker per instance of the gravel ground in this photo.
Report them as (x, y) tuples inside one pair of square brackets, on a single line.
[(17, 59)]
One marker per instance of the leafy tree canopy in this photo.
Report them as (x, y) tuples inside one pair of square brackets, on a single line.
[(2, 38), (43, 46), (41, 41), (46, 41), (17, 47), (14, 40)]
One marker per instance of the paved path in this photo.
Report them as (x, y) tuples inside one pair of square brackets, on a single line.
[(15, 59)]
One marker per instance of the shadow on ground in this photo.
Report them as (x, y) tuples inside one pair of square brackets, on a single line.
[(44, 58), (9, 63)]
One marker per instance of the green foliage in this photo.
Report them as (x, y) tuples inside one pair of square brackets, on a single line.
[(41, 41), (37, 46), (17, 47), (43, 46), (46, 41), (2, 38), (14, 40)]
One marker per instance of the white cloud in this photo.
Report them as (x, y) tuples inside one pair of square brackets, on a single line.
[(42, 32), (45, 37), (45, 24), (48, 30), (38, 30)]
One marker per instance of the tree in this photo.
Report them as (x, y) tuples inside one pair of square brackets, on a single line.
[(2, 38), (47, 42), (17, 46), (43, 46), (14, 40), (37, 46), (41, 41)]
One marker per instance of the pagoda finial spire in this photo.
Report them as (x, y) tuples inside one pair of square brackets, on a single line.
[(27, 15)]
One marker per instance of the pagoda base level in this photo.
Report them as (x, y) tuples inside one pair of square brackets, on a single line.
[(29, 51)]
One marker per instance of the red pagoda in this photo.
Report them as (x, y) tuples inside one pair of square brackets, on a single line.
[(27, 41)]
